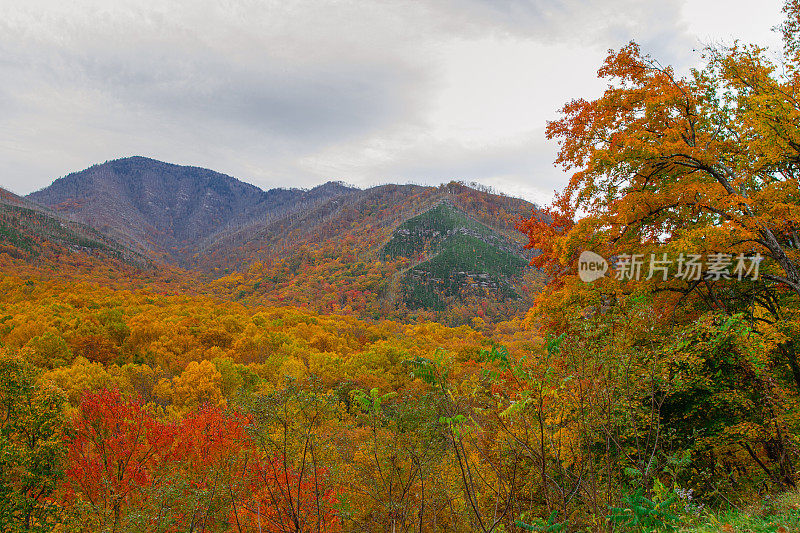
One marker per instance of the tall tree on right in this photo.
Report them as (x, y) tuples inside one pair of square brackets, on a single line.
[(699, 165)]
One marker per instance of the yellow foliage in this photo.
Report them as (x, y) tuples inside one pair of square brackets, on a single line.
[(83, 376), (200, 383)]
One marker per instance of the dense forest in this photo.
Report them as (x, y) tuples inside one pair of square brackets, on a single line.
[(293, 395)]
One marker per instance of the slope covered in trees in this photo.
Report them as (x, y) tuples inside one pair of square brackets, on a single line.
[(36, 240), (332, 258), (319, 247), (454, 258), (202, 409)]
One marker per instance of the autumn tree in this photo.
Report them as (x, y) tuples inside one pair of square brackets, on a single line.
[(210, 474), (292, 486), (703, 165), (48, 350), (117, 454), (397, 478), (198, 384), (32, 450)]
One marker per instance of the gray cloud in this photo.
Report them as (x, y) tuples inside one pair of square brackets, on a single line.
[(293, 93), (584, 22), (156, 62)]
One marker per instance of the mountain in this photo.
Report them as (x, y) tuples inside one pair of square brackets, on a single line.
[(391, 250), (164, 209), (339, 256), (365, 218)]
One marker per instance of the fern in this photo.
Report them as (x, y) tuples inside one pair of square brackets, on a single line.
[(639, 513)]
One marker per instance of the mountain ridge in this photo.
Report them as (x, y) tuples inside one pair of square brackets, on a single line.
[(320, 248), (38, 235), (166, 209)]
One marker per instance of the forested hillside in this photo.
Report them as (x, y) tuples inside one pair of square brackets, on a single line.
[(334, 258), (186, 410), (38, 240), (317, 248), (455, 257)]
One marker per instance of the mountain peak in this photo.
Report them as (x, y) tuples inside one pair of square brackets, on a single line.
[(332, 188), (158, 207)]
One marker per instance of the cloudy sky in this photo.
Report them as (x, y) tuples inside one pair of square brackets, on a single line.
[(284, 93)]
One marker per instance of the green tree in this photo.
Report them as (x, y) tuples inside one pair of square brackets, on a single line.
[(32, 449)]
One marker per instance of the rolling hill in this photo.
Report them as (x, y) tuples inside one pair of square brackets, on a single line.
[(455, 255), (333, 258)]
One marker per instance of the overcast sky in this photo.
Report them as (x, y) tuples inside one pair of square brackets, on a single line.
[(295, 93)]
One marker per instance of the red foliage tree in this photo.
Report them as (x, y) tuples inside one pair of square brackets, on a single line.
[(118, 451)]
